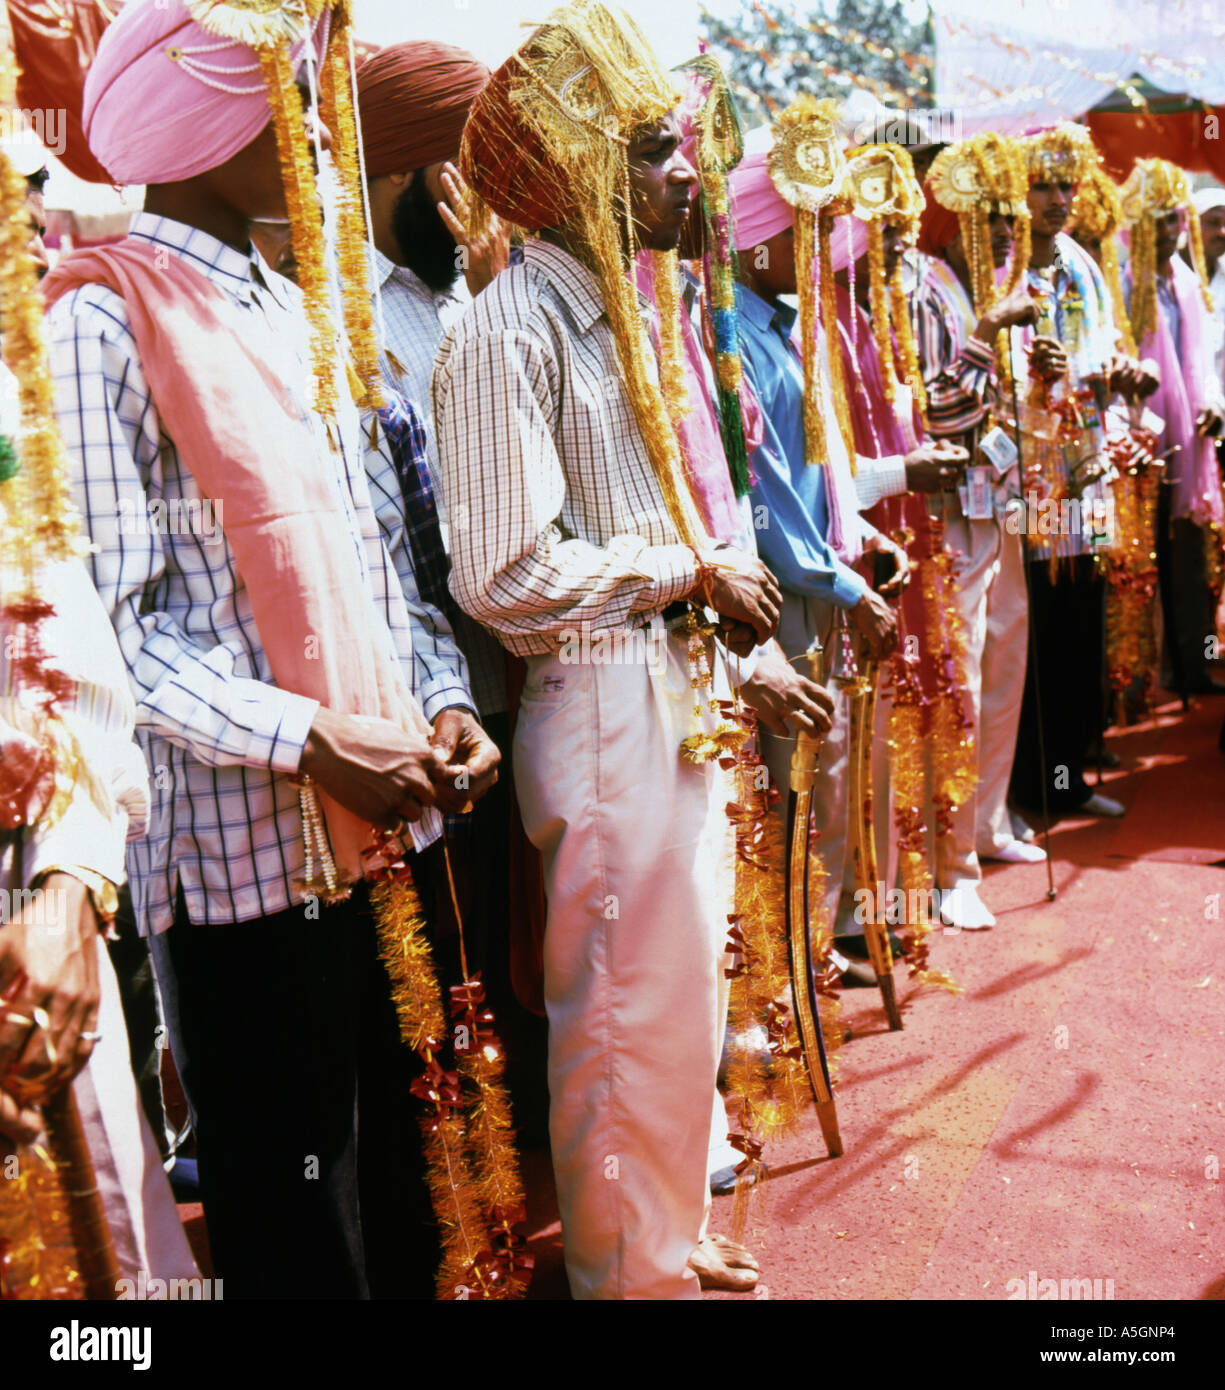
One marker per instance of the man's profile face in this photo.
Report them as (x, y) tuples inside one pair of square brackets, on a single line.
[(1168, 227), (895, 246), (250, 182), (1049, 206), (1001, 228), (1212, 227), (773, 264), (662, 185)]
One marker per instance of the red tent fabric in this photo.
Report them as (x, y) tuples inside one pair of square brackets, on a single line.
[(54, 42), (1191, 139)]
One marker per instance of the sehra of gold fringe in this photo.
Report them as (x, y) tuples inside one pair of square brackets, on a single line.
[(665, 268)]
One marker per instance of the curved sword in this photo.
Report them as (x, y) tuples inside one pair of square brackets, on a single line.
[(861, 693), (804, 760)]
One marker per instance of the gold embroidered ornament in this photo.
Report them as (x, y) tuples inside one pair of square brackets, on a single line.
[(809, 171), (885, 192)]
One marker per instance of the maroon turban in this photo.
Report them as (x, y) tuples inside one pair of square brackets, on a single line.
[(413, 99), (937, 226), (504, 162)]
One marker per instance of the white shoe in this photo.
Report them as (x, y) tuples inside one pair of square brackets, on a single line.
[(1099, 805), (1021, 829), (1017, 852), (962, 909)]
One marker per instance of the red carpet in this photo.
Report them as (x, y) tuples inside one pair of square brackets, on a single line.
[(1065, 1115)]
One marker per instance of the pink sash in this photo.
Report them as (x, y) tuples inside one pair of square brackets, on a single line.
[(247, 441)]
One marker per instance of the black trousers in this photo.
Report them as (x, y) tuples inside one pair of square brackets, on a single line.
[(1066, 622), (308, 1140), (1186, 601)]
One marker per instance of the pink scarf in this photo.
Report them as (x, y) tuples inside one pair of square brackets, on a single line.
[(245, 439), (1186, 368), (698, 432)]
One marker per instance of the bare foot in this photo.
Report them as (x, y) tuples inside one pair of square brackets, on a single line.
[(722, 1263)]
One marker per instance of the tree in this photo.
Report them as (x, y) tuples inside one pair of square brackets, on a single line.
[(772, 53)]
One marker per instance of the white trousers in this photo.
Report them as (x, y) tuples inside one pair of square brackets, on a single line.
[(140, 1208), (993, 605), (637, 863)]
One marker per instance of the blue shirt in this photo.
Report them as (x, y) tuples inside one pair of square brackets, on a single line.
[(791, 538)]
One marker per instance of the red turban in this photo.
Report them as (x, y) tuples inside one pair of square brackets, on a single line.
[(505, 163), (413, 99), (937, 226)]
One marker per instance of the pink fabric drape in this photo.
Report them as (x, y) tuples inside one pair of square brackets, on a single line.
[(246, 440)]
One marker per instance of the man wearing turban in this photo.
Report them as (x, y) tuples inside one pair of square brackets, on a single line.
[(577, 541), (413, 102), (268, 639)]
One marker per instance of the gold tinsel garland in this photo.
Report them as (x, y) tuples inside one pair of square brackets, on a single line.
[(881, 309), (40, 519), (952, 736), (665, 269), (829, 317), (470, 1166), (908, 774), (767, 1093), (816, 447), (1131, 575), (904, 334), (336, 109), (305, 219)]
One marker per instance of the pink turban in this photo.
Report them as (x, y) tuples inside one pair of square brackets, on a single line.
[(165, 101), (759, 210), (848, 240)]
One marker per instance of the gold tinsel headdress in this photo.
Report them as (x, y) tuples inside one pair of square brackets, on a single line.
[(1155, 188), (883, 187), (809, 171), (976, 178), (272, 28), (547, 147), (1097, 215), (1063, 154)]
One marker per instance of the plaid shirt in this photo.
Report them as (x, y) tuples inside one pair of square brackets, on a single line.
[(414, 320), (558, 521), (220, 737)]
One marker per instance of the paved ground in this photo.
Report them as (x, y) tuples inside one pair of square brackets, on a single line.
[(1065, 1116)]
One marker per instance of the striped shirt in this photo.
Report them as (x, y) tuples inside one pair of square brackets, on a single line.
[(414, 321), (958, 368), (221, 739), (558, 523)]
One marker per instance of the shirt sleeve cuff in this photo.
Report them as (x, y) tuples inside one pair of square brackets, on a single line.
[(285, 734), (891, 475), (674, 571), (849, 587), (442, 694), (979, 354)]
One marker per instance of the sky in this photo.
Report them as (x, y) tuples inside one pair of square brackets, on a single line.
[(492, 29)]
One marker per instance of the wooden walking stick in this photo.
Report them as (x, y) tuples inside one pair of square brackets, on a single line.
[(55, 1243)]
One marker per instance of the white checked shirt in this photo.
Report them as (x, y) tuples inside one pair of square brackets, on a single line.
[(220, 737), (414, 320), (558, 521)]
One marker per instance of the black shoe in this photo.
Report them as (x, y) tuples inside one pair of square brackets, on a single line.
[(1107, 758), (858, 975), (857, 946)]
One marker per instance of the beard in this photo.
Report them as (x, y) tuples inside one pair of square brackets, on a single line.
[(426, 247)]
